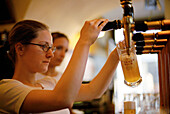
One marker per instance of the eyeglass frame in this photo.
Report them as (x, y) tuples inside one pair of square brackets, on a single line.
[(44, 47)]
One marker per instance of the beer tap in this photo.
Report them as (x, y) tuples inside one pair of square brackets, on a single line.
[(127, 22), (151, 36), (151, 25)]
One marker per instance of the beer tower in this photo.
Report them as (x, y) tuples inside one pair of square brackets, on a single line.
[(151, 43), (148, 43)]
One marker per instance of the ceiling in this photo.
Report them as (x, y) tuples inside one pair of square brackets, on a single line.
[(68, 16)]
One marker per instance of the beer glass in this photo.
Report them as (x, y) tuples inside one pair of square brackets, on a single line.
[(129, 107), (129, 64)]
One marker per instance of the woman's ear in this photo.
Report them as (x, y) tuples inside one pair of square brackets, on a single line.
[(19, 48)]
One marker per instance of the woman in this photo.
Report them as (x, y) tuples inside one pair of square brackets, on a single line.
[(31, 50), (50, 78), (60, 42)]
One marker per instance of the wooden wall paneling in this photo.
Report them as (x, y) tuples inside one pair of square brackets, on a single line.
[(164, 77)]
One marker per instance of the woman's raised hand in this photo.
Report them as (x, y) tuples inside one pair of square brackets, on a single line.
[(91, 30)]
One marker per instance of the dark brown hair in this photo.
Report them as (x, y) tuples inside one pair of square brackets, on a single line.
[(23, 31), (57, 35)]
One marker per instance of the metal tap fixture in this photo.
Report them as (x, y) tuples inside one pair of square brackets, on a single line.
[(127, 22)]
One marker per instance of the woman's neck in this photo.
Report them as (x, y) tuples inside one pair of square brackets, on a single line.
[(28, 80), (25, 78), (23, 75), (51, 71)]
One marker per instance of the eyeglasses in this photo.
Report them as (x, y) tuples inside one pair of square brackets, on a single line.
[(44, 47)]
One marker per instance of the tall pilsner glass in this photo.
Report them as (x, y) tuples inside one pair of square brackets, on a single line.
[(129, 64)]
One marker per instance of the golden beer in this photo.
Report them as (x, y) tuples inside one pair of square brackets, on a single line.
[(129, 65), (129, 111), (129, 107)]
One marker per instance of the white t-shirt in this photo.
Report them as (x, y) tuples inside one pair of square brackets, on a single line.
[(13, 93)]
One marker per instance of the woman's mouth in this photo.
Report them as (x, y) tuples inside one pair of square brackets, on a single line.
[(46, 61)]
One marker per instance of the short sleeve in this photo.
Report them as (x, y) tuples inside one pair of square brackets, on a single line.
[(12, 95)]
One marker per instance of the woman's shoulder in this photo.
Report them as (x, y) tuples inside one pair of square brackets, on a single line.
[(12, 93), (5, 82), (13, 85), (47, 82)]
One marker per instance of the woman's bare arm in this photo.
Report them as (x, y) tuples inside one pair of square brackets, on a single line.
[(66, 90), (100, 83)]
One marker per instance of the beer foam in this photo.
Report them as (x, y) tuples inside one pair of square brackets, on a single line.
[(126, 57)]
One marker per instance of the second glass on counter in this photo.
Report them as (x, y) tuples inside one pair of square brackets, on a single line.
[(129, 64)]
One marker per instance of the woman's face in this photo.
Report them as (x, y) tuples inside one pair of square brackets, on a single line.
[(34, 58), (61, 45)]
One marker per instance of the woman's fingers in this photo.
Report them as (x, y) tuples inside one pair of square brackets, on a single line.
[(91, 29), (121, 44), (101, 23)]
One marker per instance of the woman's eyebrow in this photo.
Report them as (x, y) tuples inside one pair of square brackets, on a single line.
[(45, 42)]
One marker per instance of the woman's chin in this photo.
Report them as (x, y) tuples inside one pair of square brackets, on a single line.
[(44, 70)]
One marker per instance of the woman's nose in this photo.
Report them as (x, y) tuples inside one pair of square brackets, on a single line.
[(63, 53), (50, 53)]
